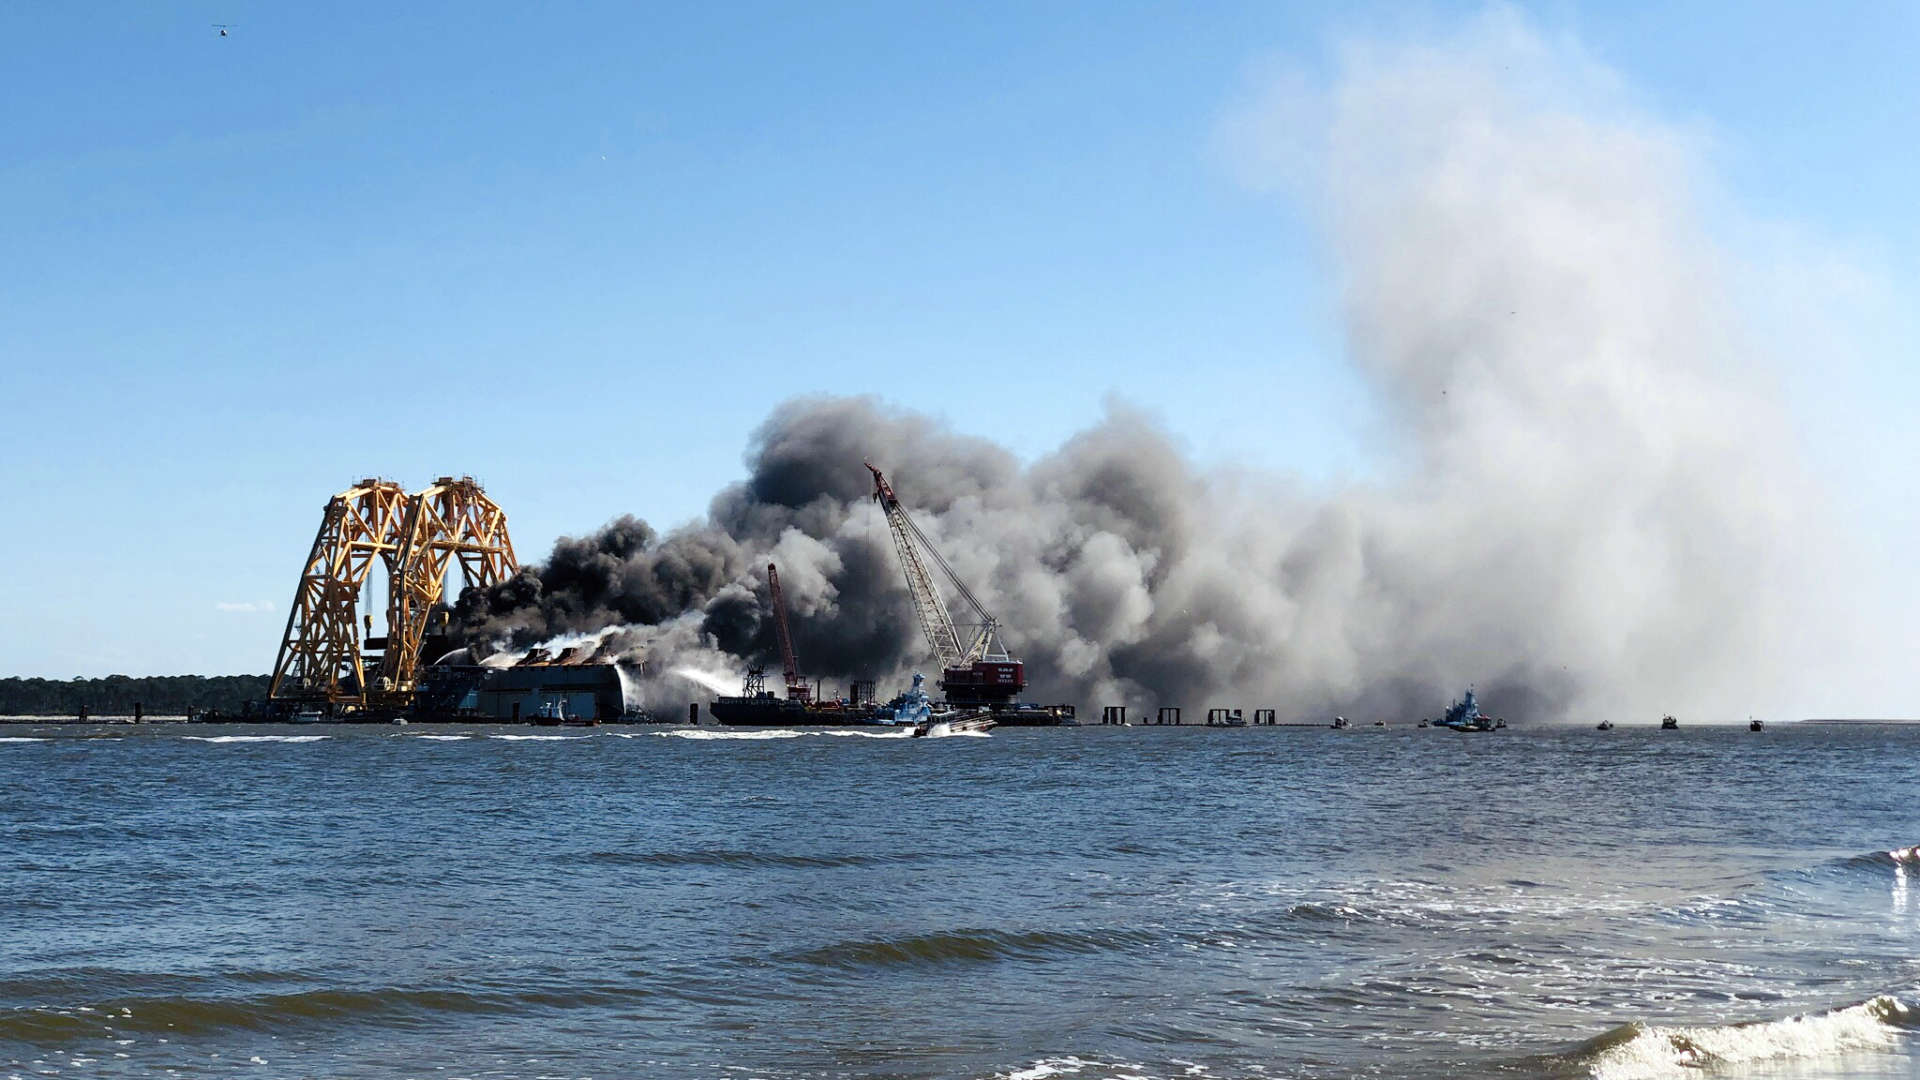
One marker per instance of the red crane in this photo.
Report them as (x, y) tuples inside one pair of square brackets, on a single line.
[(974, 668), (797, 688)]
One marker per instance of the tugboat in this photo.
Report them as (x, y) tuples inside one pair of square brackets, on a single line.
[(550, 714), (913, 709), (1756, 725), (1465, 715), (1668, 723)]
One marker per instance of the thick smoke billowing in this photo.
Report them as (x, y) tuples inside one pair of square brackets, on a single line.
[(1590, 515)]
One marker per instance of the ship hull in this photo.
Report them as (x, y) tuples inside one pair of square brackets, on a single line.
[(775, 712)]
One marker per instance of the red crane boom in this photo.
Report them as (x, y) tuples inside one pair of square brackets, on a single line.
[(797, 688), (975, 668)]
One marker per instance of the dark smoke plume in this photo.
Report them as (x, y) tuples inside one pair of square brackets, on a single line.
[(1590, 519)]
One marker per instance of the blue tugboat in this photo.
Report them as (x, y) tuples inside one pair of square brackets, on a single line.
[(1465, 715)]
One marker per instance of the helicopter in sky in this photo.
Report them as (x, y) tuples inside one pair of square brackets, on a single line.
[(223, 28)]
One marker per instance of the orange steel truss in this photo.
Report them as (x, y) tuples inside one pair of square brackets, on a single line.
[(417, 538), (320, 652), (452, 520)]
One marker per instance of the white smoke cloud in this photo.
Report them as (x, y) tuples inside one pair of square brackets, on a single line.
[(1596, 509), (1602, 480)]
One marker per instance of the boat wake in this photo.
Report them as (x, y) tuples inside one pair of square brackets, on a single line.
[(256, 738), (937, 731), (776, 733), (944, 731), (1649, 1052)]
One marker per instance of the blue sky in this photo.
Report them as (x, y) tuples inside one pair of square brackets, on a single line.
[(580, 251)]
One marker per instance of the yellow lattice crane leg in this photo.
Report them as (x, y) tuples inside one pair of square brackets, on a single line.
[(319, 657), (451, 521), (418, 538)]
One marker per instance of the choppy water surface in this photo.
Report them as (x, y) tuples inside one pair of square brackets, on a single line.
[(1088, 903)]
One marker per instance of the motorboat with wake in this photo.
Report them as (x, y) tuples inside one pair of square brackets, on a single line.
[(915, 710)]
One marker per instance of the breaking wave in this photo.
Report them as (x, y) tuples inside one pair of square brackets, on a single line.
[(20, 739), (1069, 1065), (1639, 1051), (1904, 856)]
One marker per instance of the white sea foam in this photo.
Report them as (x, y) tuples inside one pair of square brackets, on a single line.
[(440, 738), (1646, 1052), (1068, 1065), (943, 731), (20, 738), (256, 738), (537, 738), (937, 731), (697, 734)]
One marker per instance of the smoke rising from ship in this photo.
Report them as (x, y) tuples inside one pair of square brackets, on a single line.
[(1585, 517)]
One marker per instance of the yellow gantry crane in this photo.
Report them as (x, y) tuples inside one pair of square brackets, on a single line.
[(417, 538)]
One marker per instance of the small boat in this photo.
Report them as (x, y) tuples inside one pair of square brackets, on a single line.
[(1668, 723), (400, 721), (550, 714), (1756, 725), (1605, 725), (1341, 723), (915, 711), (953, 724), (309, 716)]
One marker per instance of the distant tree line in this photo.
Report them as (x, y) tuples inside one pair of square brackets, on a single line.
[(115, 695)]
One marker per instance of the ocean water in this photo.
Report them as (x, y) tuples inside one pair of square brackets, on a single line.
[(1091, 903)]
